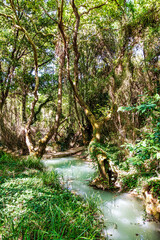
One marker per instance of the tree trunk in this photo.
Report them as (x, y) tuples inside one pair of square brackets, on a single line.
[(24, 118), (54, 130), (96, 125), (99, 155)]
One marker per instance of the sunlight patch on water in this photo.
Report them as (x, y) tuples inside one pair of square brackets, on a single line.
[(60, 161)]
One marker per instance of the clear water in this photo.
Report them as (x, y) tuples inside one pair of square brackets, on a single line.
[(124, 215)]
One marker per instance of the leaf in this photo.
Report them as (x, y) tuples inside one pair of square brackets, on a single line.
[(124, 109), (158, 155)]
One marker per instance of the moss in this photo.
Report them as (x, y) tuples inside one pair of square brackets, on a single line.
[(129, 181), (154, 186)]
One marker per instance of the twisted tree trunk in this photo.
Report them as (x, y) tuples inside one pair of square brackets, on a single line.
[(100, 156)]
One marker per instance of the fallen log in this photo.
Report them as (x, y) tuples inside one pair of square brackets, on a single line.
[(67, 153)]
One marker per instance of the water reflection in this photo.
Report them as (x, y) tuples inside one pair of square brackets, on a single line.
[(123, 214)]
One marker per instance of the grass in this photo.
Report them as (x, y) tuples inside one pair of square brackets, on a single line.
[(33, 205)]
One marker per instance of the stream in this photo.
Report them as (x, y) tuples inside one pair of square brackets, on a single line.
[(124, 214)]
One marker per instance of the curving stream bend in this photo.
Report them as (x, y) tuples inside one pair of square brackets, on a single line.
[(124, 214)]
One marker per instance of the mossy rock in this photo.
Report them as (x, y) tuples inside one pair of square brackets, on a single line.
[(100, 184), (129, 181), (153, 186), (151, 193)]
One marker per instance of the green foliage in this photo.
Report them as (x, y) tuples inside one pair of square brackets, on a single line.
[(96, 148), (10, 166), (51, 179), (13, 166), (147, 147), (148, 106), (129, 181), (154, 187), (115, 154), (31, 162), (112, 151), (34, 206)]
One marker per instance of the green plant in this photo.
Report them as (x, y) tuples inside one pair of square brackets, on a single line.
[(51, 179), (33, 205), (147, 147), (112, 151), (32, 162), (129, 181), (154, 186)]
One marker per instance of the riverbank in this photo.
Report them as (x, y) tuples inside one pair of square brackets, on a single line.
[(33, 205), (142, 186), (124, 216), (149, 193)]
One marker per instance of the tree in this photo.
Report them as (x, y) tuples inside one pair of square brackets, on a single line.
[(17, 23), (102, 49)]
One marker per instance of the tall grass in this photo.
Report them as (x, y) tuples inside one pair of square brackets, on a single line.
[(34, 206)]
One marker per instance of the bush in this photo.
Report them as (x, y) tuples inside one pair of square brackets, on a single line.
[(51, 179), (129, 181), (146, 151), (154, 187), (31, 162)]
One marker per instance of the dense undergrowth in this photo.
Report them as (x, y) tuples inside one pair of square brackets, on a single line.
[(143, 161), (33, 205), (138, 162)]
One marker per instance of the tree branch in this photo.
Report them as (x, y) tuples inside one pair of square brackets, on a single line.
[(40, 107), (49, 15), (6, 16), (99, 6)]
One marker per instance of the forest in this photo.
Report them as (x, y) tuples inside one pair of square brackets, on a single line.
[(77, 74)]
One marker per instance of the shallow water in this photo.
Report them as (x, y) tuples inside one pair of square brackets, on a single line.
[(124, 215)]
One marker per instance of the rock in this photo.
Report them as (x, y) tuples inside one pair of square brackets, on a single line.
[(150, 194), (98, 183), (152, 205)]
